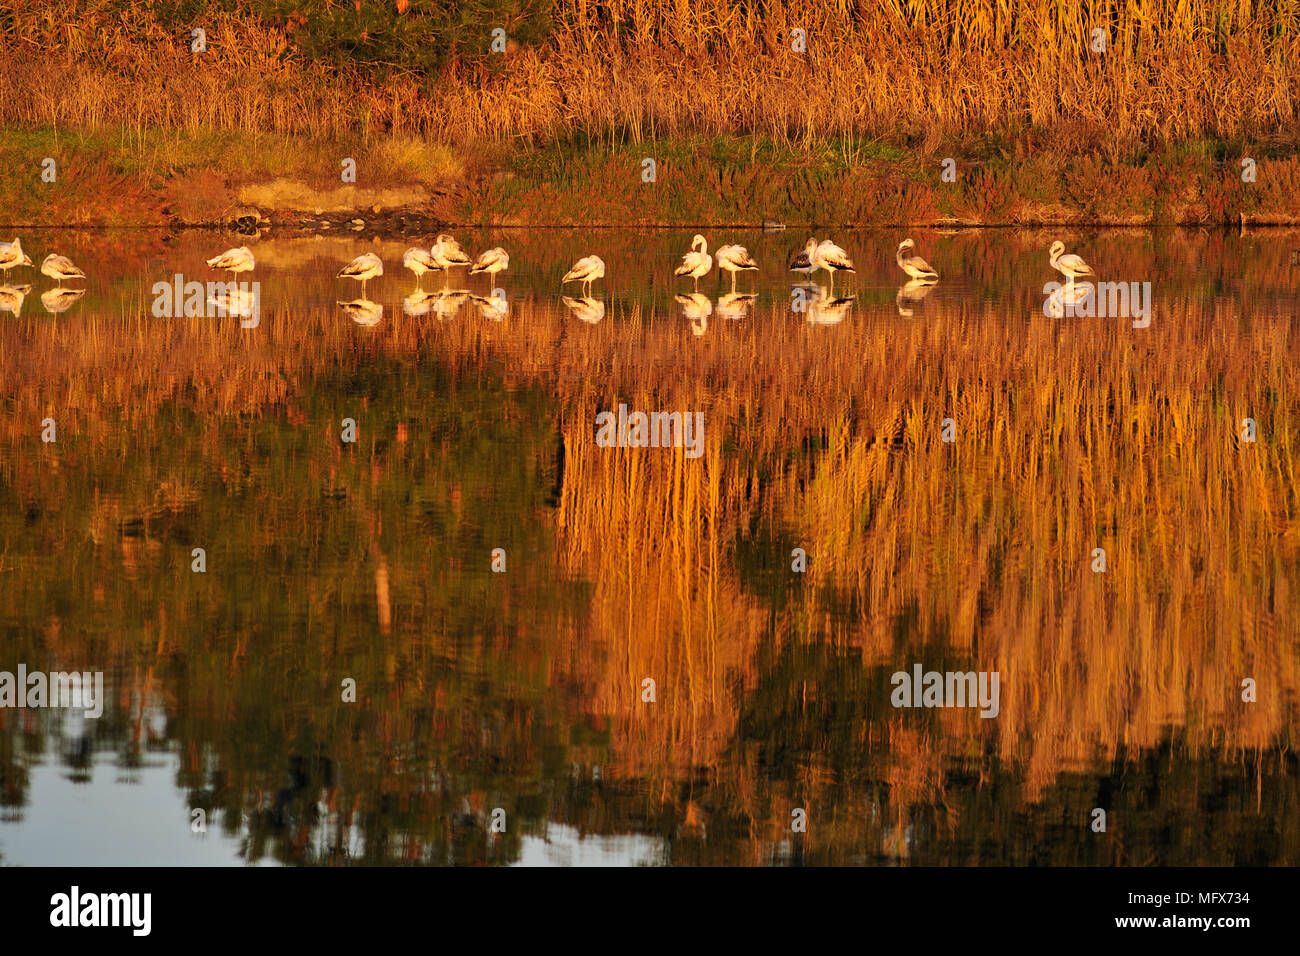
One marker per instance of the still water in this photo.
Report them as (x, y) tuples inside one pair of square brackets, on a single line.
[(566, 653)]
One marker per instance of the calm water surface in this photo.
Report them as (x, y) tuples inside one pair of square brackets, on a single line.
[(525, 690)]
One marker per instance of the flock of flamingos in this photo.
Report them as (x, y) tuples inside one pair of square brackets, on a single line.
[(447, 254)]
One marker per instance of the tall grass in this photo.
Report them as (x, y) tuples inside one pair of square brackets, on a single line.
[(924, 73)]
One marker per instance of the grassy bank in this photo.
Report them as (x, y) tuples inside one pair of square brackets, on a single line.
[(153, 177), (1102, 111)]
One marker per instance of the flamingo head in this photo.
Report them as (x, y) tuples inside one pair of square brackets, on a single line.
[(906, 244), (1057, 248), (699, 242)]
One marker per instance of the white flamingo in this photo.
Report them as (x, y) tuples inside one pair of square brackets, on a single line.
[(914, 266), (448, 254), (735, 259), (364, 267), (493, 261), (1071, 266), (697, 262), (418, 261), (234, 261), (11, 255), (586, 270), (833, 259), (60, 269)]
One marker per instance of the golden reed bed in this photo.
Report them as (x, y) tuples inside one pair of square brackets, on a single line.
[(1022, 72)]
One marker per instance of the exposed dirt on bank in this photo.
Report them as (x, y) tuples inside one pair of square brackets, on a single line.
[(734, 181)]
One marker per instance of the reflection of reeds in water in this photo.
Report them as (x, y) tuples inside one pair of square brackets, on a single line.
[(643, 526), (1067, 439), (1070, 435)]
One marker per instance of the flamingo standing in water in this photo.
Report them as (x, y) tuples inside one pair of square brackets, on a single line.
[(60, 269), (697, 262), (11, 255), (914, 266), (734, 259), (419, 262), (493, 261), (1071, 266), (805, 261), (234, 261), (833, 259), (586, 270), (448, 254), (364, 268)]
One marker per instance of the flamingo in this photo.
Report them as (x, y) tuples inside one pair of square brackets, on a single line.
[(1071, 266), (11, 255), (448, 254), (697, 262), (734, 259), (833, 259), (493, 261), (364, 267), (914, 266), (232, 261), (60, 268), (805, 261), (586, 270), (419, 262)]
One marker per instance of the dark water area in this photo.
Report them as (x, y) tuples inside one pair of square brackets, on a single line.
[(478, 634)]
